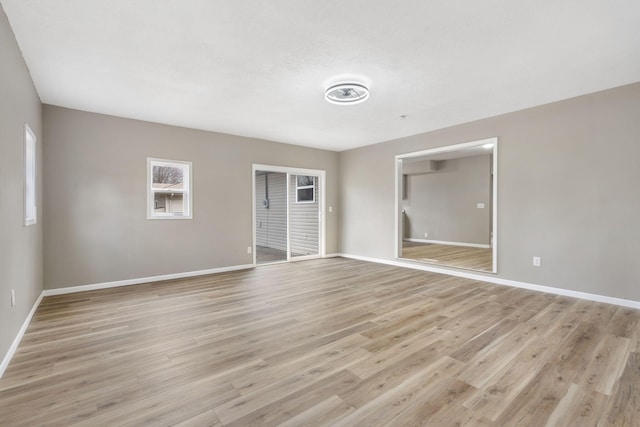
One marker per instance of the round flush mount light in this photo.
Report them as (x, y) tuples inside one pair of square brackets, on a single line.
[(346, 93)]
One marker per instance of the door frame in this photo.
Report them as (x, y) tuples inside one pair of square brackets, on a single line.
[(322, 226)]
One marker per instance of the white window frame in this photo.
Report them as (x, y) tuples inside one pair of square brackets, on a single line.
[(30, 172), (187, 190), (304, 187)]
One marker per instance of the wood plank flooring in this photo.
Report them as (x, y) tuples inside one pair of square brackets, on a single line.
[(266, 255), (324, 342), (480, 259)]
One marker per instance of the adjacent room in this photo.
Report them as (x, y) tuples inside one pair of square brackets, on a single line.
[(224, 213)]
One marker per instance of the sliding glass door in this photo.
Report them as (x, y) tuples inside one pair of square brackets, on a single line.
[(288, 207)]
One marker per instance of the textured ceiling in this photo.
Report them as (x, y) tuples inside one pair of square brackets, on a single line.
[(259, 68)]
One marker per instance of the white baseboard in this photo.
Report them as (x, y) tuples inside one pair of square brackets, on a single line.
[(105, 285), (469, 275), (83, 288), (18, 338), (498, 281), (441, 242)]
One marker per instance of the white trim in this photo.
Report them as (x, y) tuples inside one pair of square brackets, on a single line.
[(73, 289), (303, 187), (441, 242), (254, 256), (494, 170), (186, 190), (118, 283), (287, 186), (303, 257), (30, 176), (494, 211), (498, 281), (16, 342), (447, 148), (398, 211), (491, 279)]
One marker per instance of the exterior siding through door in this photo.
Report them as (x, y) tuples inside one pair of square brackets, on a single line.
[(271, 222), (304, 220)]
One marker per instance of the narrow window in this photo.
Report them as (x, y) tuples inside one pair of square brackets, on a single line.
[(168, 189), (305, 189), (30, 206)]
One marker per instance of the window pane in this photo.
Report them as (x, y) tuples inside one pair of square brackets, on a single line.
[(30, 177), (167, 177), (169, 189), (304, 180), (168, 203), (305, 195)]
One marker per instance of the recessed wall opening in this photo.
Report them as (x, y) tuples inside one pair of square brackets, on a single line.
[(446, 206)]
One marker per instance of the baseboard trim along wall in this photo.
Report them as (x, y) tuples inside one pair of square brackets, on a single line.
[(106, 285), (498, 281), (441, 242), (83, 288), (18, 338), (465, 274)]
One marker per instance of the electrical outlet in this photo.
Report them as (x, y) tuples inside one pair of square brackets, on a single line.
[(13, 297), (248, 249), (536, 261), (426, 234)]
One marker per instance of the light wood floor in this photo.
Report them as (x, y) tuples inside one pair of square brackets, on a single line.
[(453, 256), (266, 255), (324, 342)]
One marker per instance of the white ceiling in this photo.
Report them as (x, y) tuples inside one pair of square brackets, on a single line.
[(259, 68)]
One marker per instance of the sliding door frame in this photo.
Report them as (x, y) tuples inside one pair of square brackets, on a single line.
[(322, 226)]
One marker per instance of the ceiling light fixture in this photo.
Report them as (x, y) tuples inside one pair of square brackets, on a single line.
[(347, 93)]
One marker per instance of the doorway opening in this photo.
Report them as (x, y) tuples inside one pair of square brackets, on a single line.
[(288, 220)]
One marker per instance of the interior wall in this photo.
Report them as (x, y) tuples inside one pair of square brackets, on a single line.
[(567, 192), (443, 203), (20, 246), (96, 229)]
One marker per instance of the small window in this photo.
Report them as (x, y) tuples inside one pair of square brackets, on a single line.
[(305, 189), (30, 204), (168, 189)]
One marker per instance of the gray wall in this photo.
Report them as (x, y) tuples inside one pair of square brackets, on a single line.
[(20, 246), (568, 176), (94, 162), (443, 203)]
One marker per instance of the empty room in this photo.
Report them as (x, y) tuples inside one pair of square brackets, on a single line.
[(307, 213)]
